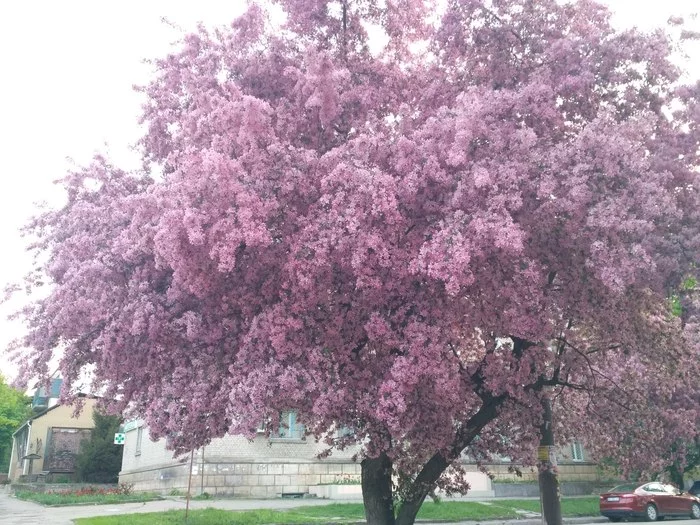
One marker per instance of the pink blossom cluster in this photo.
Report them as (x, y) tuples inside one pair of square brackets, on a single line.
[(416, 243)]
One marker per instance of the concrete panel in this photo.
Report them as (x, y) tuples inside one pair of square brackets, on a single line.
[(282, 480), (258, 492), (291, 468), (242, 468)]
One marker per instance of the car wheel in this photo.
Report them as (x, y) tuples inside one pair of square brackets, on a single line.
[(651, 513), (695, 511)]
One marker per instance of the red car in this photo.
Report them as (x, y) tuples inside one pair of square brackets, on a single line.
[(650, 501)]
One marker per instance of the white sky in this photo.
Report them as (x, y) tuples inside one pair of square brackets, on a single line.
[(66, 91)]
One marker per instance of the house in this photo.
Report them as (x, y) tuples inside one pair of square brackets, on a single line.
[(49, 441), (283, 465)]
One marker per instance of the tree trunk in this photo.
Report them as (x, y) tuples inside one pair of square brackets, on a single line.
[(549, 481), (420, 488), (676, 475), (377, 494)]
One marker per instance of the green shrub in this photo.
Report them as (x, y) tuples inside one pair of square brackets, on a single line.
[(99, 459), (61, 478)]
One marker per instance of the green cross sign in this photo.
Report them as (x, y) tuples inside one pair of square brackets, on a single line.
[(119, 438)]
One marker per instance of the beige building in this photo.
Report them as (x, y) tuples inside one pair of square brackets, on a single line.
[(49, 441)]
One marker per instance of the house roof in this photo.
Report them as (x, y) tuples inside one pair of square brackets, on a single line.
[(42, 396)]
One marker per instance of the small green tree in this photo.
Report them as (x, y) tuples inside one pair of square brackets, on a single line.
[(15, 408), (685, 453), (99, 459), (691, 461)]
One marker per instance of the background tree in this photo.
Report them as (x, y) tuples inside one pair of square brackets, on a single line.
[(419, 243), (684, 455), (99, 459), (15, 408), (685, 458)]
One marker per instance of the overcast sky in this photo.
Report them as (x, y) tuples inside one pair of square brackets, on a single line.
[(68, 69)]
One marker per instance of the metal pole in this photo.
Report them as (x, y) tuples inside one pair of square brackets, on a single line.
[(189, 484), (202, 472)]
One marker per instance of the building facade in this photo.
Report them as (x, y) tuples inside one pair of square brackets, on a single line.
[(285, 465), (49, 441), (233, 465)]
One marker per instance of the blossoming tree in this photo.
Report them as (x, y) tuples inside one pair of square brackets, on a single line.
[(421, 242)]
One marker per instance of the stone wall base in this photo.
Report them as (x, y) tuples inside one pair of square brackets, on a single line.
[(332, 480), (242, 479), (532, 490)]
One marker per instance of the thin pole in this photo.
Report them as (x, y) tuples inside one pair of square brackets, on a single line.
[(202, 472), (189, 484)]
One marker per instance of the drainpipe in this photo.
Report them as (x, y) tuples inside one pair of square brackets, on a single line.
[(26, 448), (13, 461)]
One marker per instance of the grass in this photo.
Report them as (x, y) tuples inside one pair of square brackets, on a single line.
[(571, 507), (345, 513), (57, 500)]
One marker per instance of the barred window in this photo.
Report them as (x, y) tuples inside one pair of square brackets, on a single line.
[(576, 451), (290, 428), (139, 439)]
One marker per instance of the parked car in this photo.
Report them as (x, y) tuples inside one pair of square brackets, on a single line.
[(650, 501), (695, 489)]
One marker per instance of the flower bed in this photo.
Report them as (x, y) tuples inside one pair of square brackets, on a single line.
[(88, 494)]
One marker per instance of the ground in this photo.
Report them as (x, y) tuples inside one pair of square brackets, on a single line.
[(17, 512)]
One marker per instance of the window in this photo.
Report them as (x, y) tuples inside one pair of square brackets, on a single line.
[(576, 451), (139, 439), (22, 438), (290, 428), (344, 431)]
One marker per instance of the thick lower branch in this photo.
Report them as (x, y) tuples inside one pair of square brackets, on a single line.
[(427, 478)]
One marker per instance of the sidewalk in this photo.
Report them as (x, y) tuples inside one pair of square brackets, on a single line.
[(18, 512)]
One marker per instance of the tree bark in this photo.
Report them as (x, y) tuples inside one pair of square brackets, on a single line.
[(427, 478), (548, 478), (377, 494), (420, 488)]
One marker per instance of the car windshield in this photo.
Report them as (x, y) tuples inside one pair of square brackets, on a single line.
[(627, 487)]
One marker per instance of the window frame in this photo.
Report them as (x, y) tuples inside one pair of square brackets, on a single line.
[(290, 429), (577, 453), (139, 441)]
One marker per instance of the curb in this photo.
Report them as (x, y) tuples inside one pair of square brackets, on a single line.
[(524, 521)]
